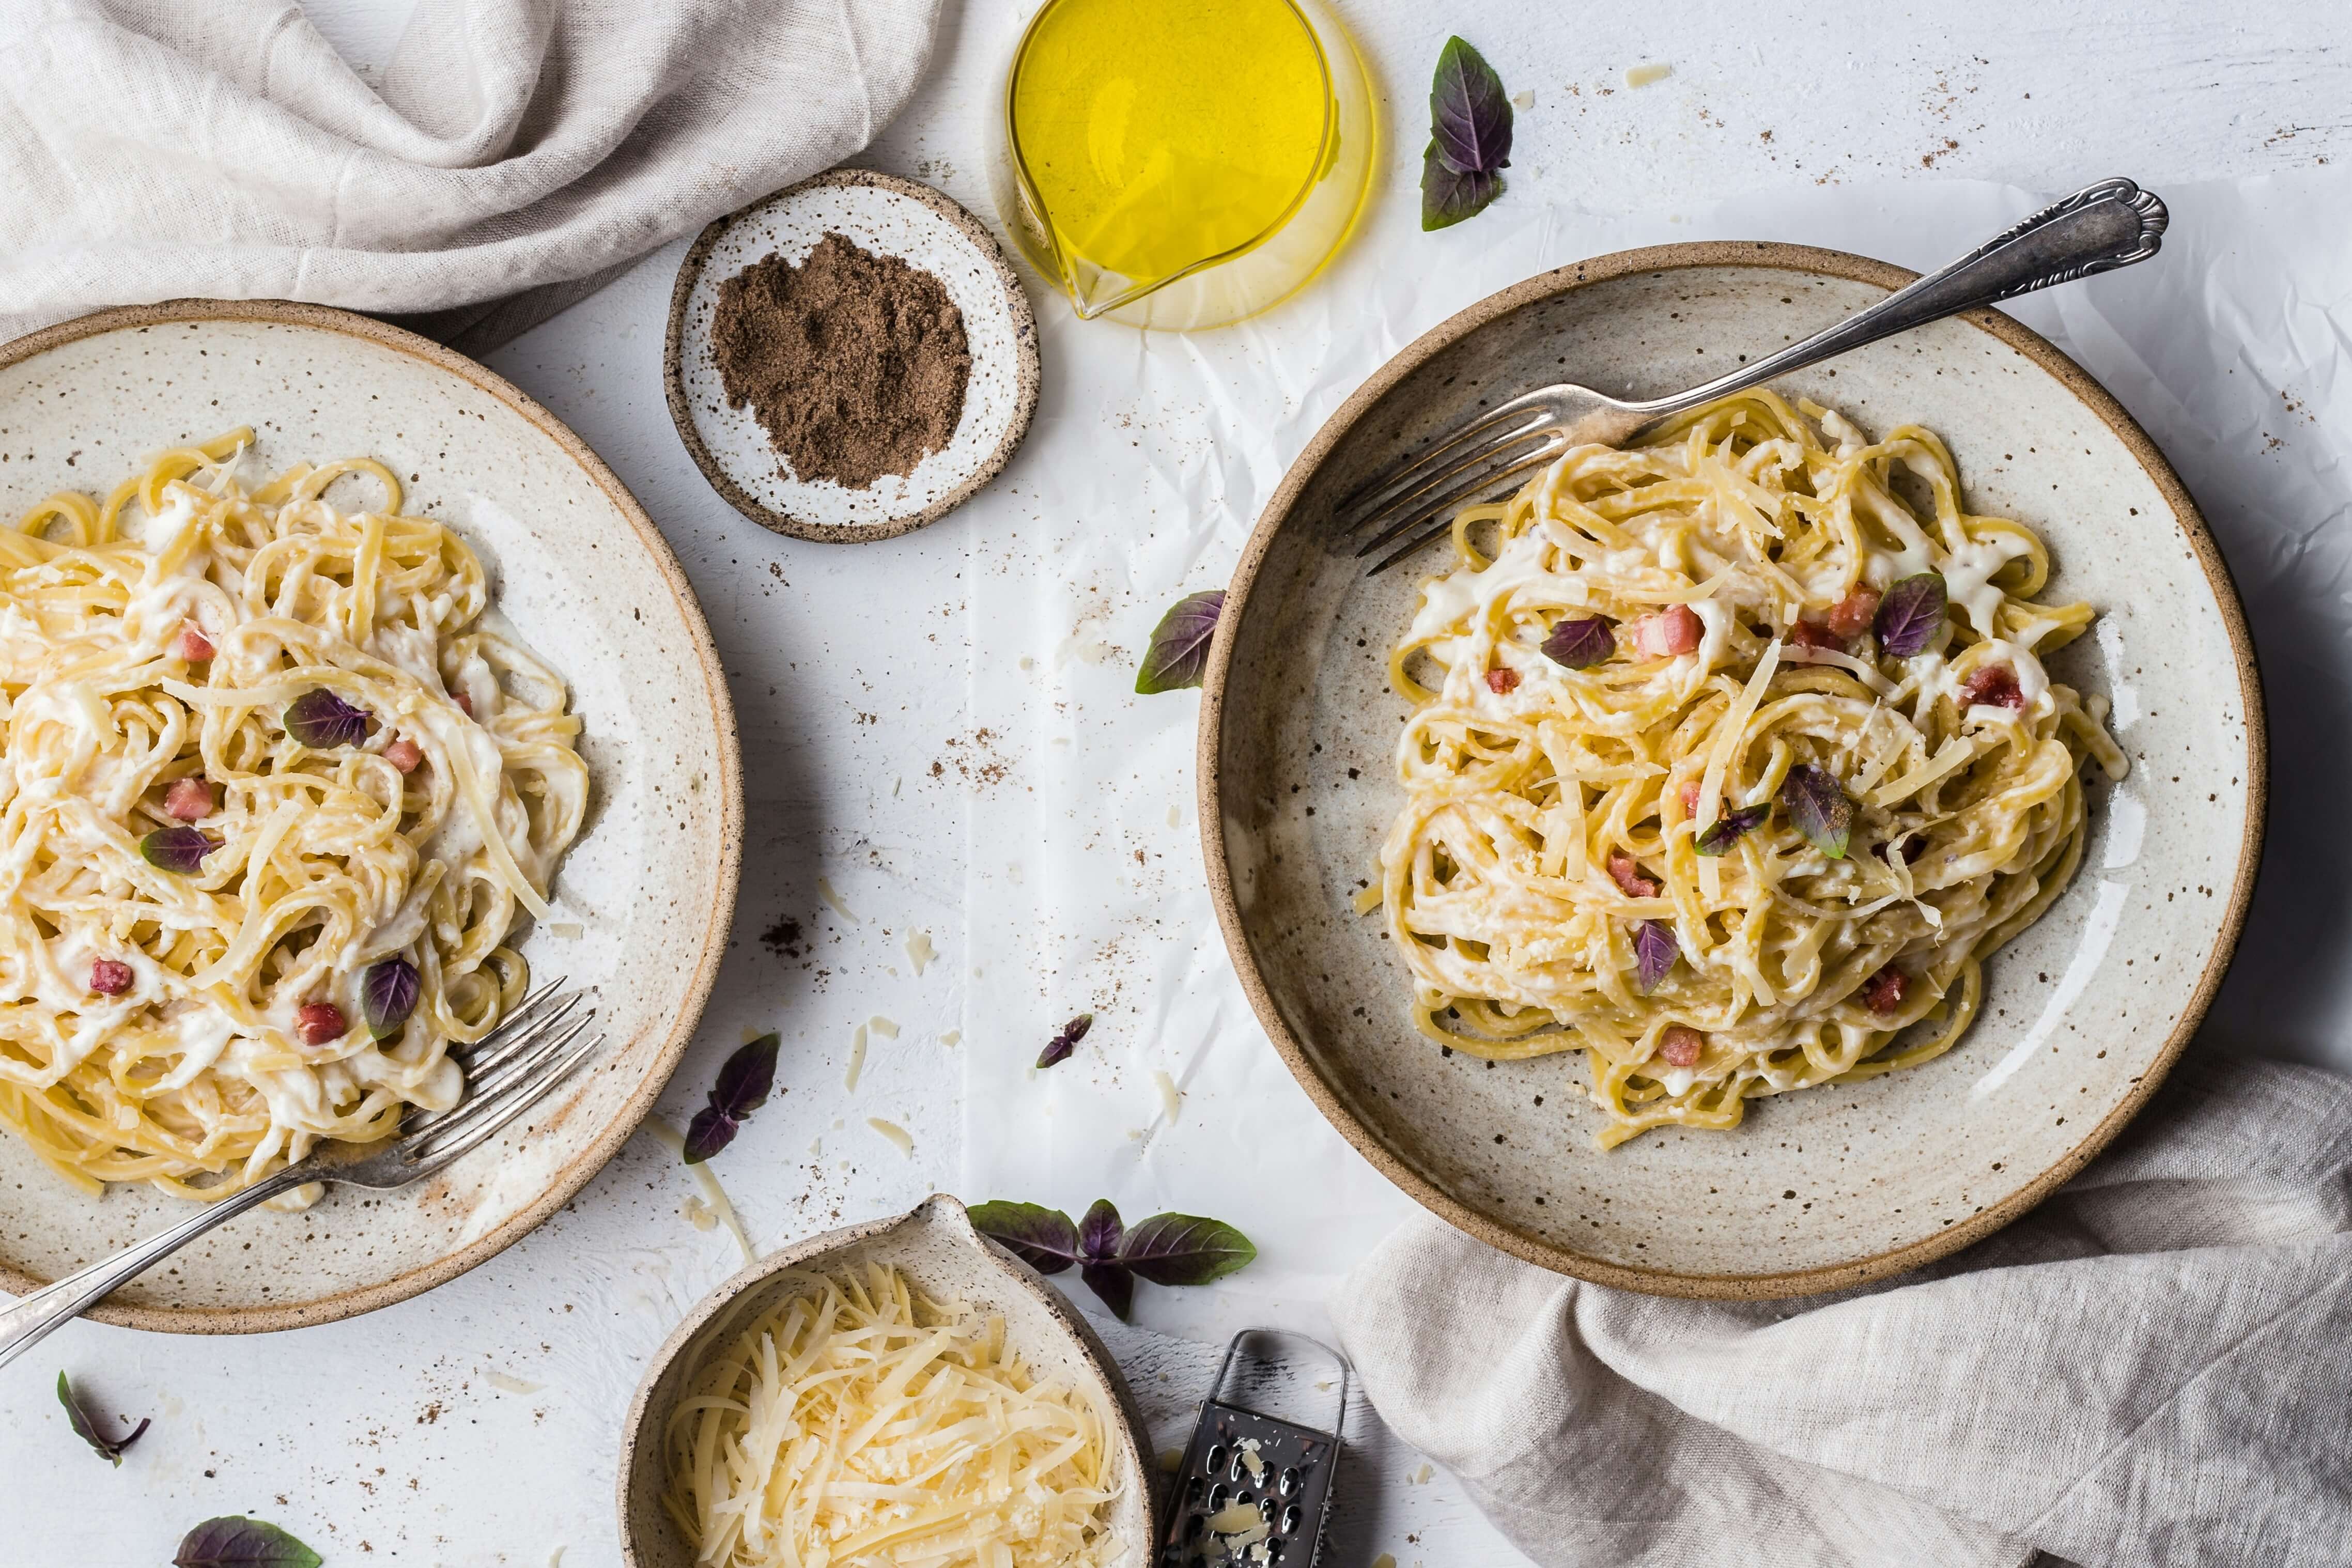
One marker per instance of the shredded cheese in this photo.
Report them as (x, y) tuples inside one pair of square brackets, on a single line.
[(864, 1424), (920, 952), (897, 1136), (713, 1195), (1171, 1099), (1235, 1518), (856, 1060)]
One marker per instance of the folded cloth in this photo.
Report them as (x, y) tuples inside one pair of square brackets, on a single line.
[(2152, 1368), (515, 155)]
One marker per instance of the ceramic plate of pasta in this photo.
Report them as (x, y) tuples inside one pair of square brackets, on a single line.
[(319, 755), (1762, 857)]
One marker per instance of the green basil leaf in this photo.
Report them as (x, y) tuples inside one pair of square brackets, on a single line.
[(1099, 1232), (1113, 1285), (1040, 1237), (1469, 112), (1819, 806), (744, 1081), (1911, 615), (1448, 195), (1184, 1249), (1730, 828), (1179, 654), (1654, 952), (86, 1429), (1059, 1048), (236, 1541)]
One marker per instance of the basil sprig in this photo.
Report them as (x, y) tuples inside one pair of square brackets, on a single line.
[(1469, 138), (1166, 1250)]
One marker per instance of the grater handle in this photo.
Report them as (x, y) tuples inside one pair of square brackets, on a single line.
[(1232, 1348)]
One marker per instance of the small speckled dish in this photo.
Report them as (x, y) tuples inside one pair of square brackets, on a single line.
[(889, 216), (581, 572), (1830, 1186), (936, 1247)]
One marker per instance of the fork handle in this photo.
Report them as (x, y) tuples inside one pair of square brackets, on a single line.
[(2097, 229), (31, 1320)]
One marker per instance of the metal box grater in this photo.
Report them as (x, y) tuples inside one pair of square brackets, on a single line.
[(1244, 1457)]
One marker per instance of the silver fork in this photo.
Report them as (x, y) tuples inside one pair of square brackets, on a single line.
[(2097, 229), (506, 1075)]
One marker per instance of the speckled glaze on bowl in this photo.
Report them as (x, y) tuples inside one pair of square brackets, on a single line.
[(581, 572), (887, 215), (936, 1247), (1830, 1186)]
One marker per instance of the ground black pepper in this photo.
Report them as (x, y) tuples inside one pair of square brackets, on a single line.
[(854, 363)]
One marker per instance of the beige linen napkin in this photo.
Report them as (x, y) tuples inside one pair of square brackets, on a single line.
[(514, 157), (2152, 1368)]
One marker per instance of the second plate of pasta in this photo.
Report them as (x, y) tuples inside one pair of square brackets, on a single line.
[(349, 694), (1761, 859)]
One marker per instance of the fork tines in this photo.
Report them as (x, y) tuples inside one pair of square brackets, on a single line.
[(511, 1069), (1481, 457)]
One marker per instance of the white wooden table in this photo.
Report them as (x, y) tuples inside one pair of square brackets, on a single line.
[(477, 1425)]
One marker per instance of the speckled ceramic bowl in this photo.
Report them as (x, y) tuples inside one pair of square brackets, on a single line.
[(936, 1247), (580, 570), (887, 215), (1830, 1186)]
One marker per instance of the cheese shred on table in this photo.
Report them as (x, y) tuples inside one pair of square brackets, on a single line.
[(860, 1423)]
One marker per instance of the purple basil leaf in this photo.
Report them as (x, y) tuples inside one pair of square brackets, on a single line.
[(1654, 952), (1098, 1232), (1184, 1249), (86, 1429), (1911, 615), (1469, 112), (1059, 1048), (1179, 654), (746, 1077), (1581, 645), (1731, 827), (1819, 808), (711, 1130), (181, 850), (742, 1088), (321, 720), (1040, 1237), (1113, 1284), (238, 1541), (388, 995), (1448, 195)]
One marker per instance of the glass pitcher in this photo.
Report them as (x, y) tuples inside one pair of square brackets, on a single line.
[(1182, 163)]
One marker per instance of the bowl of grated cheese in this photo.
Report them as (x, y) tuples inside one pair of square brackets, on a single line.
[(901, 1392)]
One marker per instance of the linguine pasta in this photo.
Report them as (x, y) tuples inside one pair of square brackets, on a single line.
[(272, 801), (1766, 803)]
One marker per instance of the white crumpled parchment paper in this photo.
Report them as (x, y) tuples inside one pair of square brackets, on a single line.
[(1151, 456)]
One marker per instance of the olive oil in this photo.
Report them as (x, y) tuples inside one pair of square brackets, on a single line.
[(1155, 138)]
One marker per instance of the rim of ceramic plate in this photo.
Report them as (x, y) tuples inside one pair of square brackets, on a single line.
[(1661, 259), (575, 1174), (1024, 350)]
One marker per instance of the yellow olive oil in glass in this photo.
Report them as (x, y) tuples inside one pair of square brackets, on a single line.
[(1225, 143)]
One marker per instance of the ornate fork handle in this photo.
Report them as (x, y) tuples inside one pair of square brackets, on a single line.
[(25, 1324), (2097, 229)]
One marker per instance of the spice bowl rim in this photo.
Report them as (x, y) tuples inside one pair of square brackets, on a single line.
[(1025, 367)]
